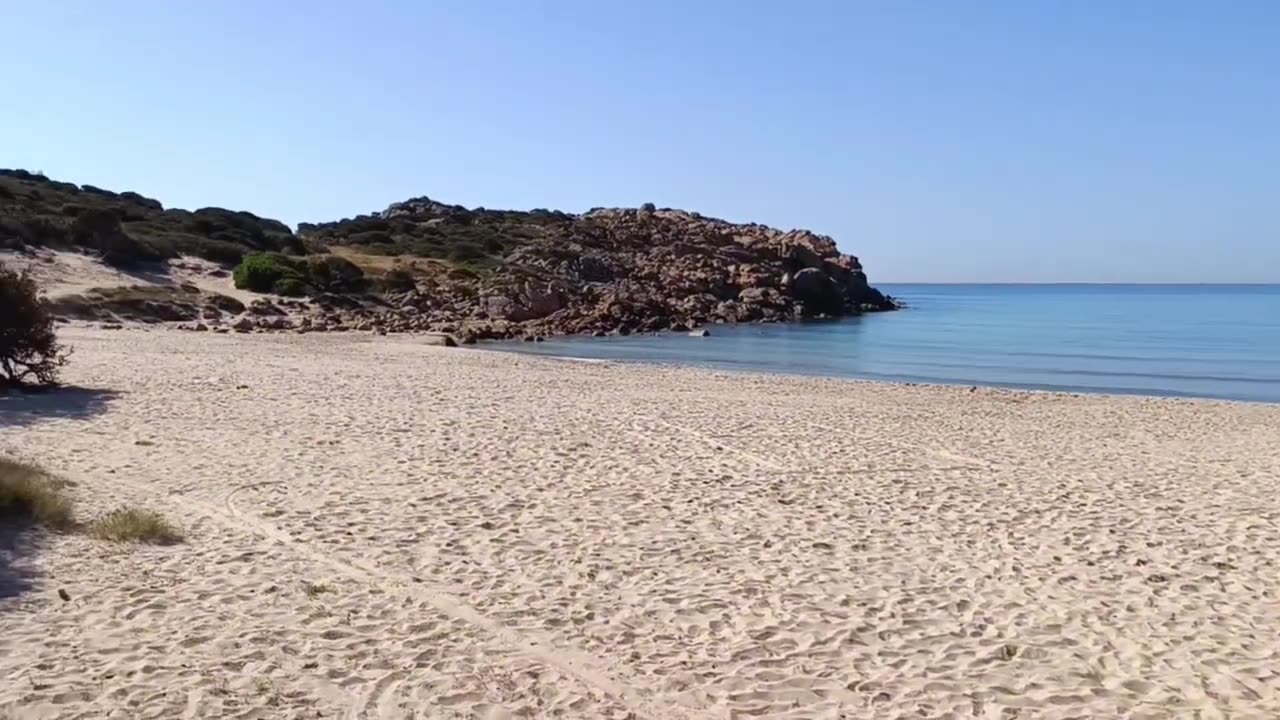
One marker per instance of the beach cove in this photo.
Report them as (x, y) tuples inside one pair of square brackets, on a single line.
[(381, 529), (1212, 341)]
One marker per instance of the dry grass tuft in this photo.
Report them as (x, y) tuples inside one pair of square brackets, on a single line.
[(314, 590), (129, 524), (29, 492)]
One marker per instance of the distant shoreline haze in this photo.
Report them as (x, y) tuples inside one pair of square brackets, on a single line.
[(890, 283)]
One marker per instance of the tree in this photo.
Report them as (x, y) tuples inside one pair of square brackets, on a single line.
[(28, 346)]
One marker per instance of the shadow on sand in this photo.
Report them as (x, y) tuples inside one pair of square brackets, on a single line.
[(153, 273), (20, 541), (19, 408)]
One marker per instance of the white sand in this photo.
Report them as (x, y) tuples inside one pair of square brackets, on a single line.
[(506, 536), (60, 273)]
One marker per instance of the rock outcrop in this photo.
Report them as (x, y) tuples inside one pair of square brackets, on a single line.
[(608, 271), (145, 304)]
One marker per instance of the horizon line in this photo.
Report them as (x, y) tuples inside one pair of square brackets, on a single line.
[(1077, 283)]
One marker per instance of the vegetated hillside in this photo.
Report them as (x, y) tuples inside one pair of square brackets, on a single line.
[(426, 265), (608, 270), (127, 228)]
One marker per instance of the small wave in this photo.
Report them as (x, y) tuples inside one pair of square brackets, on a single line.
[(1066, 371), (571, 358)]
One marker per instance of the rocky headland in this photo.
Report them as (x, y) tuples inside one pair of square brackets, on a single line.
[(425, 266)]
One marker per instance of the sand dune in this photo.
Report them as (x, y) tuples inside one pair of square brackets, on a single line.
[(378, 529), (61, 273)]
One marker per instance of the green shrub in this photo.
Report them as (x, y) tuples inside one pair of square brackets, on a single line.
[(42, 213), (223, 253), (93, 223), (334, 274), (260, 272), (465, 252), (37, 231), (290, 287), (373, 237), (122, 250), (100, 229)]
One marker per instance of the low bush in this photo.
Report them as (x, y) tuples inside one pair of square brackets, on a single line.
[(375, 237), (122, 250), (29, 348), (100, 230), (397, 280), (42, 213), (261, 272), (20, 231), (334, 274), (297, 276), (221, 252), (91, 224), (290, 287), (466, 252)]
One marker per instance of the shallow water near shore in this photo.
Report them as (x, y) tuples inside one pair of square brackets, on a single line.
[(1213, 341)]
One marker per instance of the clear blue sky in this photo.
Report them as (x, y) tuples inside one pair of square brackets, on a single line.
[(939, 141)]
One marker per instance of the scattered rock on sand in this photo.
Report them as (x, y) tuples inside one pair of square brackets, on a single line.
[(441, 339), (262, 306), (275, 323), (224, 304)]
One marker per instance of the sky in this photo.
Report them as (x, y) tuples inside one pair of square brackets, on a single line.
[(1021, 141)]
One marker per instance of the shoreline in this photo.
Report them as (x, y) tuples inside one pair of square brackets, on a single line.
[(376, 527), (517, 346), (720, 368)]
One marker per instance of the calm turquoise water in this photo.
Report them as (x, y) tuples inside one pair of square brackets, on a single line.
[(1201, 341)]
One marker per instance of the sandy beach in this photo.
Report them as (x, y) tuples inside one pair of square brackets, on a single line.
[(378, 529)]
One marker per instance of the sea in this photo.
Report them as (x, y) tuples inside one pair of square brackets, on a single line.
[(1210, 341)]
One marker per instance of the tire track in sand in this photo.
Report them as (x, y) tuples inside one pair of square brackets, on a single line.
[(573, 663), (718, 443)]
